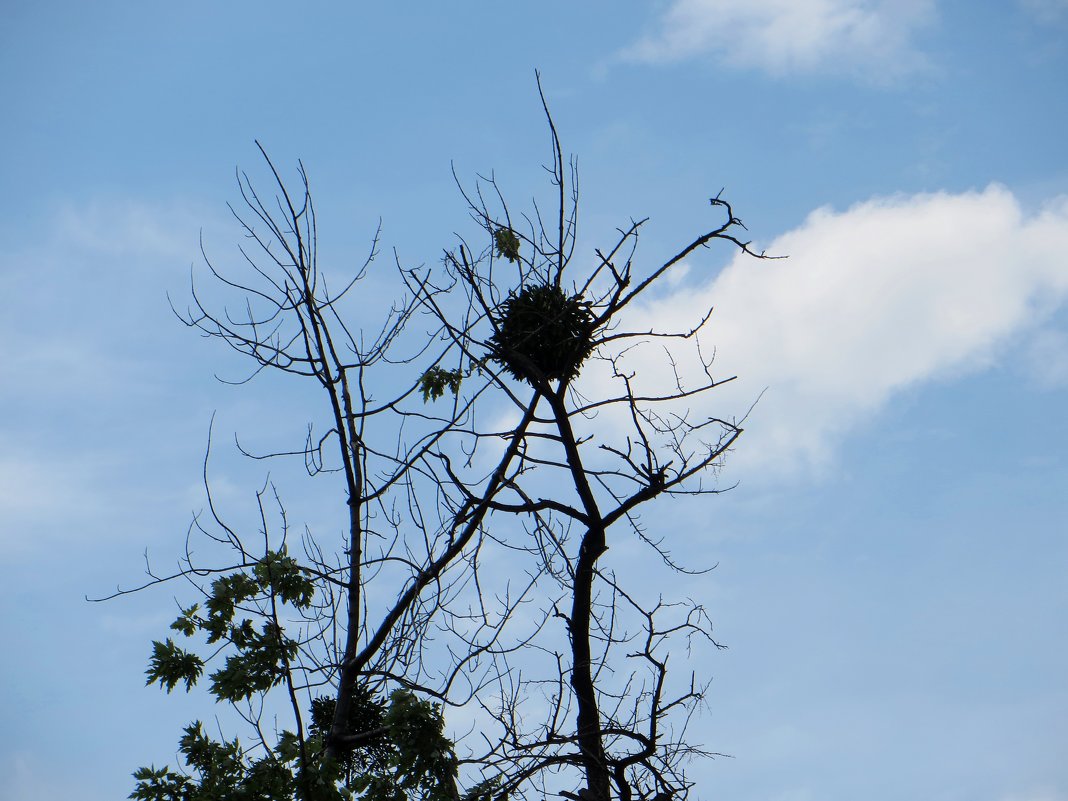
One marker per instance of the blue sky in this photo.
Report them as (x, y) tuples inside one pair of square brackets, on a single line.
[(892, 567)]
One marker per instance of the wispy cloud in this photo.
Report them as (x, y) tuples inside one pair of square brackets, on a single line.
[(887, 295), (34, 490), (1046, 358), (873, 38), (25, 777), (1037, 795), (1046, 11), (88, 374)]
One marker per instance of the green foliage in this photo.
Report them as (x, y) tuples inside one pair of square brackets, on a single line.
[(280, 574), (367, 716), (436, 380), (219, 770), (410, 759), (416, 760), (259, 663), (404, 757), (160, 785), (543, 329), (187, 621), (169, 665), (218, 763), (425, 758), (484, 790), (507, 243), (258, 666), (227, 593)]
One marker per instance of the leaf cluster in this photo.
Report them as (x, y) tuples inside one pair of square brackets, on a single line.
[(406, 757), (437, 380), (367, 719), (398, 749), (260, 653), (506, 243), (421, 764), (217, 770)]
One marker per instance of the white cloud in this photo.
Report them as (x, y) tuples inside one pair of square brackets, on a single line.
[(1038, 795), (887, 295), (873, 37), (131, 230)]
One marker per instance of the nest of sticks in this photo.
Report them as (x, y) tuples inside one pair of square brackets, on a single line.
[(543, 333)]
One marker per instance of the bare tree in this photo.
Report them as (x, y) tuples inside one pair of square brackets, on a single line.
[(624, 729), (370, 645)]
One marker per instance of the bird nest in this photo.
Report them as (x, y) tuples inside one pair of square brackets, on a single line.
[(543, 333)]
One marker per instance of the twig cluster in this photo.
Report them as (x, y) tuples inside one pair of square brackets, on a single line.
[(473, 572)]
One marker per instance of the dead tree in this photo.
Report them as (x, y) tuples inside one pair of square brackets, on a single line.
[(541, 331)]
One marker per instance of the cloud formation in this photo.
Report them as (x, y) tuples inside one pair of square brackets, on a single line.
[(88, 367), (872, 37), (1046, 11), (884, 296)]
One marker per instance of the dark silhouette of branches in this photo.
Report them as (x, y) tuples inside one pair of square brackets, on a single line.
[(580, 486), (473, 575)]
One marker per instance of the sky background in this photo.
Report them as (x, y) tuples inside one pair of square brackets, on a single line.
[(892, 566)]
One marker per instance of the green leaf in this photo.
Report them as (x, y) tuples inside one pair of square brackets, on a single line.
[(507, 243), (169, 665), (425, 757), (436, 380), (257, 668), (187, 622), (281, 575), (159, 785), (226, 593), (484, 790), (288, 746)]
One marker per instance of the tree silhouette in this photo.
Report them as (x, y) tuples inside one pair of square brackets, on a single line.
[(559, 662)]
